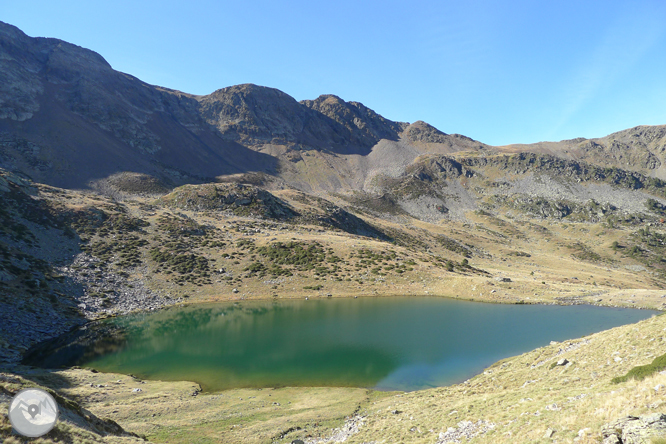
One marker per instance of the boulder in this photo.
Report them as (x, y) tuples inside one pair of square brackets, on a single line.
[(635, 430), (612, 439)]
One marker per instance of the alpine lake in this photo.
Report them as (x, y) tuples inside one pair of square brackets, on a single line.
[(390, 343)]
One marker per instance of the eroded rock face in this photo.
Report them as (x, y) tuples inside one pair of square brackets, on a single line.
[(68, 119), (635, 430), (640, 148), (25, 64), (255, 114)]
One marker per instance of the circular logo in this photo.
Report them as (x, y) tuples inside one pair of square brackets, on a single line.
[(33, 412)]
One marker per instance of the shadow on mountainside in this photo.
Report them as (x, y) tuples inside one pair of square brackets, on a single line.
[(68, 118)]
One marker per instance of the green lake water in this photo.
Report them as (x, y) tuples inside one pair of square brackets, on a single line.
[(386, 343)]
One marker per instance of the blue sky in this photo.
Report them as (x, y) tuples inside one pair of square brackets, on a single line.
[(497, 71)]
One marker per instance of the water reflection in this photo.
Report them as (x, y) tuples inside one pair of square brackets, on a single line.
[(78, 346), (388, 343)]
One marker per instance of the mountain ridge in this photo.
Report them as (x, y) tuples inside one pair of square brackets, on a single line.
[(68, 119)]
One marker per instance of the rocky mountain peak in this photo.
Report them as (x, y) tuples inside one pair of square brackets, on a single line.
[(259, 115), (68, 118), (641, 148), (11, 33), (421, 131), (27, 63), (367, 126), (47, 54), (255, 114), (644, 134)]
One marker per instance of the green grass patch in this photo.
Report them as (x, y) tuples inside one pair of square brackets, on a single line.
[(643, 371), (313, 287)]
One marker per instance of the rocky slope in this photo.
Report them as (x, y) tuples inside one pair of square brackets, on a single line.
[(68, 119), (50, 279), (257, 115), (640, 149)]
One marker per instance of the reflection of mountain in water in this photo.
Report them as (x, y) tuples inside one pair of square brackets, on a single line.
[(78, 346), (405, 343), (247, 344), (102, 338)]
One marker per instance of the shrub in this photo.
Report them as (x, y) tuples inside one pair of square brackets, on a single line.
[(643, 371), (255, 267)]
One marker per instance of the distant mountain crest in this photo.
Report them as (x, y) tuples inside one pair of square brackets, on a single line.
[(254, 114), (366, 126), (68, 119), (260, 115), (420, 131)]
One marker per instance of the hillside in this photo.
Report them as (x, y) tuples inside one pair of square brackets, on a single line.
[(88, 256), (117, 196), (639, 149), (68, 119)]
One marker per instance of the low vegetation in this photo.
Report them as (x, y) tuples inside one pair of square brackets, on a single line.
[(643, 371)]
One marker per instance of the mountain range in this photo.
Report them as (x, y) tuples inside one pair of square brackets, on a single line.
[(67, 118)]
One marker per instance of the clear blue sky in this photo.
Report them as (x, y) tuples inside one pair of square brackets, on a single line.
[(497, 71)]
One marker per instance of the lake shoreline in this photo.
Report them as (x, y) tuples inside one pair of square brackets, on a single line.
[(157, 302), (484, 300), (111, 395), (406, 341)]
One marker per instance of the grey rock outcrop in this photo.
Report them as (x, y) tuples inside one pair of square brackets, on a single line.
[(245, 200), (364, 125), (635, 430), (466, 431)]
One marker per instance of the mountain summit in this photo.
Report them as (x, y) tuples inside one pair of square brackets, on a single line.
[(258, 115), (68, 119)]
